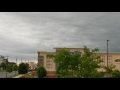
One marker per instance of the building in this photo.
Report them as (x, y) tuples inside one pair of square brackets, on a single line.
[(2, 59), (32, 65), (113, 59), (50, 66)]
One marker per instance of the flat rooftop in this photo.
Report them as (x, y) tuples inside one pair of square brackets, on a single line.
[(66, 48)]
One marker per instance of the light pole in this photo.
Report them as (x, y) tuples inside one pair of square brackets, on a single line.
[(16, 60), (16, 64), (107, 53), (25, 60), (21, 60)]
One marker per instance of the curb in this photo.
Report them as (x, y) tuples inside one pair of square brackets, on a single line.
[(18, 76)]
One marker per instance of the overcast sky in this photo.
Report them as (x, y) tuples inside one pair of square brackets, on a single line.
[(22, 34)]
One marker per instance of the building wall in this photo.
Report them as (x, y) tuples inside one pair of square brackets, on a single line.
[(32, 65), (50, 66), (117, 64), (71, 49), (47, 63), (111, 59), (1, 59)]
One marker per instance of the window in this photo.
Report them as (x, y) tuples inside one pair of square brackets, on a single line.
[(109, 60), (76, 52), (103, 63), (49, 63), (40, 60), (117, 60)]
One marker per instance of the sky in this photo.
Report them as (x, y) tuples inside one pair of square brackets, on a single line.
[(23, 34)]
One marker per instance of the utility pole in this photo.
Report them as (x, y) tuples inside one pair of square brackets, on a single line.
[(6, 65), (29, 65)]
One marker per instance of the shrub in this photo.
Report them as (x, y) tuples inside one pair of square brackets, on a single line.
[(115, 74), (41, 72), (23, 68)]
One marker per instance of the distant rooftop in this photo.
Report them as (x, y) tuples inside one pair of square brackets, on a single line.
[(42, 51), (45, 52), (66, 48), (109, 52)]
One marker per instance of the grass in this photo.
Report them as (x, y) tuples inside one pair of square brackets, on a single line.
[(29, 76), (2, 70), (13, 76)]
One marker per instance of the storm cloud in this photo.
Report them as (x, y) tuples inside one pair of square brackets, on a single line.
[(22, 34)]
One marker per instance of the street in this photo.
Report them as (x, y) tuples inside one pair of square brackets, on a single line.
[(3, 74)]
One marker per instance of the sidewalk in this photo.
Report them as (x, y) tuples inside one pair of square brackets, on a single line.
[(18, 76)]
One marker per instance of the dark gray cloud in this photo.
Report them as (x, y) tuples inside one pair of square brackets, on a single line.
[(22, 34)]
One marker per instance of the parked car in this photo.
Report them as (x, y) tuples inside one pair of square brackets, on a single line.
[(105, 76)]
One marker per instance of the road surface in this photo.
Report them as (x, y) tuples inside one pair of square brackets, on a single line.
[(3, 74)]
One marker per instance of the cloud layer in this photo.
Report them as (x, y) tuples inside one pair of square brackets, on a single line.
[(22, 34)]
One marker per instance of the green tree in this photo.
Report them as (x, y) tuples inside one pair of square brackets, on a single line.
[(77, 66), (27, 65), (15, 67), (109, 70), (35, 69), (41, 72), (3, 65), (115, 74), (0, 66), (9, 68), (23, 68)]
